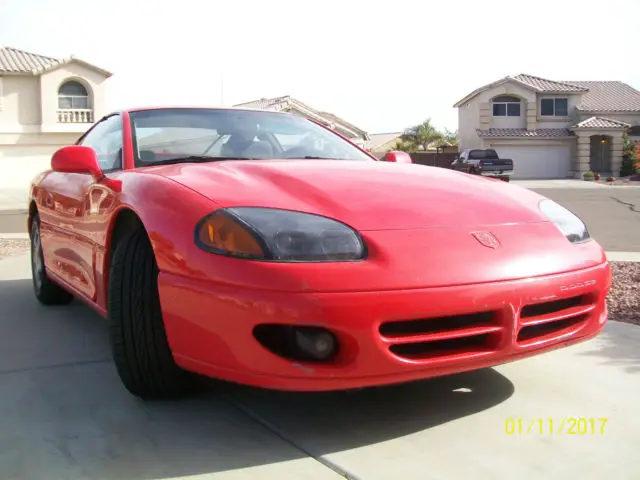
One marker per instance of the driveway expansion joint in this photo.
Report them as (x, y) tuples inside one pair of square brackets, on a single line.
[(230, 400)]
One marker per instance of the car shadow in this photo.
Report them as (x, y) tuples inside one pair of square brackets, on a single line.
[(66, 414), (617, 345)]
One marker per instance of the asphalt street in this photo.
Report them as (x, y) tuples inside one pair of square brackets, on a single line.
[(612, 214), (13, 222)]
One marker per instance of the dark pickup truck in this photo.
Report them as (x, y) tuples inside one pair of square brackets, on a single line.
[(483, 162)]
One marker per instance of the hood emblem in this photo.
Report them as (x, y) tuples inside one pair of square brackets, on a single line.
[(487, 239)]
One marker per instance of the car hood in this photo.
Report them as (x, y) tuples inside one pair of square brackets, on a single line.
[(366, 195)]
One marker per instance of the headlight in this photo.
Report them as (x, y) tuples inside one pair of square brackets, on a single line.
[(569, 224), (278, 235)]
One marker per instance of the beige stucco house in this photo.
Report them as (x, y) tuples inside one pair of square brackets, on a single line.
[(291, 105), (45, 103), (551, 129)]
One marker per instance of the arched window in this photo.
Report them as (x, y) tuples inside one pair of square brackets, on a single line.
[(73, 95), (506, 106)]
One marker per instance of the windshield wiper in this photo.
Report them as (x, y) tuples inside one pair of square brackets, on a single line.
[(193, 159)]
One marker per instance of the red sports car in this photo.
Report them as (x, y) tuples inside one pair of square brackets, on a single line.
[(265, 249)]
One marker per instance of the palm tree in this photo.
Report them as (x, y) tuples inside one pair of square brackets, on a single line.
[(450, 138), (422, 136)]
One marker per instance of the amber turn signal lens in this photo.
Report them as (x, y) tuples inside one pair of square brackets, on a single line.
[(225, 234)]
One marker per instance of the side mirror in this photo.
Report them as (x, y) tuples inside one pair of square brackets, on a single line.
[(397, 157), (77, 159)]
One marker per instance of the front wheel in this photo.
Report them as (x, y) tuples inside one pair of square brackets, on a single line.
[(138, 338), (47, 292)]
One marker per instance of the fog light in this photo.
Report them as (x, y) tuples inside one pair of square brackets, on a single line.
[(300, 343), (319, 344)]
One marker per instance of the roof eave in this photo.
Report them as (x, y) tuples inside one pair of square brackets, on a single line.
[(599, 112), (67, 61), (479, 90), (9, 73), (318, 116), (582, 129)]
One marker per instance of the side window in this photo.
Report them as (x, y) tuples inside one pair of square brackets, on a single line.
[(106, 139)]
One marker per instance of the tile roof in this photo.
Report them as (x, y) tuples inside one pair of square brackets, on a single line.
[(282, 103), (599, 122), (381, 139), (548, 86), (608, 96), (523, 132), (267, 103), (13, 60)]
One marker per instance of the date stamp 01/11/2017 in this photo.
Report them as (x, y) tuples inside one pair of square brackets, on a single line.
[(555, 426)]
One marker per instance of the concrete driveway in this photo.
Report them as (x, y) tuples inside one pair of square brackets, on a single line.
[(65, 414)]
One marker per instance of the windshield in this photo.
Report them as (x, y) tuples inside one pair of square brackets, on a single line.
[(166, 134)]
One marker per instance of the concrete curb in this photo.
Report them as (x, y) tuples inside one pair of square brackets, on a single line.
[(623, 256), (14, 236), (13, 211)]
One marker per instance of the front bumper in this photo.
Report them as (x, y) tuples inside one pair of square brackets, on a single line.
[(209, 327), (496, 173)]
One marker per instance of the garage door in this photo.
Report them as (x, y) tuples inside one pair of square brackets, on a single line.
[(20, 163), (537, 161)]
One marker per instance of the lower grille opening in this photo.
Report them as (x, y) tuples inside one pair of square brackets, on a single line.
[(442, 348), (554, 306), (545, 329), (437, 324)]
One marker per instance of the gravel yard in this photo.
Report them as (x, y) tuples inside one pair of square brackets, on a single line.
[(624, 298), (9, 247), (623, 301)]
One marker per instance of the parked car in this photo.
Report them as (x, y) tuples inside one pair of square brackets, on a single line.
[(265, 249), (483, 162)]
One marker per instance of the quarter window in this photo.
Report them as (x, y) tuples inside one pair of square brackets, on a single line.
[(506, 106)]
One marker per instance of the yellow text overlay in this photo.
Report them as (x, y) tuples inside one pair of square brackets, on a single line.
[(555, 426)]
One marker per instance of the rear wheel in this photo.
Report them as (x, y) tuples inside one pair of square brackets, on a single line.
[(47, 292), (138, 339)]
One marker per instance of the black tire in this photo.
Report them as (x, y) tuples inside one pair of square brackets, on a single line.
[(47, 292), (138, 339)]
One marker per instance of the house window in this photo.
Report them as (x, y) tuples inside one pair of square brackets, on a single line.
[(554, 107), (73, 96), (506, 106)]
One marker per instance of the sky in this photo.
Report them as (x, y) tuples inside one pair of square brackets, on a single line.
[(382, 66)]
